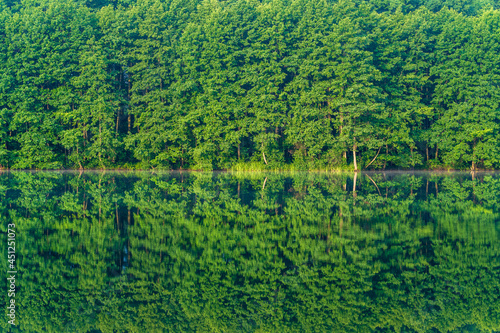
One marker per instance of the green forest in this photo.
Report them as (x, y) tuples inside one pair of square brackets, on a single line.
[(250, 84), (203, 252)]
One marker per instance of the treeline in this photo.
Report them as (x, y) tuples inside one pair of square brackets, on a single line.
[(302, 84), (223, 253)]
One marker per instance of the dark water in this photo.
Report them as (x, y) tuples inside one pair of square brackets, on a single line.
[(218, 252)]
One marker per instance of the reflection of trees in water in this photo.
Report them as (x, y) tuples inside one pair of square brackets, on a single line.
[(222, 252)]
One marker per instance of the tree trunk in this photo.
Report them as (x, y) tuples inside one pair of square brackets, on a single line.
[(354, 155), (117, 122), (373, 160), (473, 167)]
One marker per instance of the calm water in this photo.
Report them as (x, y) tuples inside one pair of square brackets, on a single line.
[(219, 252)]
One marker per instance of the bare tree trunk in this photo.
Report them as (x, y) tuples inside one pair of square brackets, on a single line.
[(374, 158), (473, 167), (355, 164), (354, 155)]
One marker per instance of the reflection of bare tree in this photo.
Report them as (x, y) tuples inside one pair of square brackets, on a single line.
[(354, 186), (374, 184)]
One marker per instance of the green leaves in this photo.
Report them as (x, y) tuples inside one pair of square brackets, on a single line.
[(239, 252), (190, 84)]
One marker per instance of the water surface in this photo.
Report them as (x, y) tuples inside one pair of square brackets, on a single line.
[(220, 252)]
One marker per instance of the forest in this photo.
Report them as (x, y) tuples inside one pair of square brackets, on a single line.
[(203, 252), (250, 84)]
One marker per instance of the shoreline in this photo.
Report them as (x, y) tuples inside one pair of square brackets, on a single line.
[(255, 171)]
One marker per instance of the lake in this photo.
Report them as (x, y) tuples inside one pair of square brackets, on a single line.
[(252, 252)]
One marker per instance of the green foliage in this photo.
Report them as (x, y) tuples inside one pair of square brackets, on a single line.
[(279, 84), (260, 252)]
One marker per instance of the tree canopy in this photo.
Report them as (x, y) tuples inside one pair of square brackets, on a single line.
[(265, 84)]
